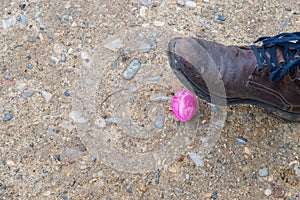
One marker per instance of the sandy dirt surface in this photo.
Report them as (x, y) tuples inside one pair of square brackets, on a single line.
[(74, 125)]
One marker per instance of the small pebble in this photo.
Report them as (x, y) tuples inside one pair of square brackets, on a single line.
[(9, 22), (42, 27), (187, 176), (22, 6), (130, 100), (37, 16), (197, 159), (50, 133), (74, 14), (77, 117), (172, 170), (207, 26), (100, 122), (132, 69), (179, 10), (100, 174), (28, 94), (84, 56), (180, 2), (114, 45), (58, 158), (152, 55), (278, 192), (288, 9), (66, 124), (89, 168), (263, 172), (191, 4), (221, 18), (133, 89), (47, 96), (282, 149), (159, 97), (7, 117), (268, 192), (67, 93), (154, 78), (297, 170), (144, 188), (249, 40), (214, 195), (23, 19), (144, 2), (63, 57), (241, 140), (254, 176), (72, 153), (143, 11), (284, 23), (128, 187), (159, 122), (81, 147), (30, 66), (111, 32), (115, 120), (145, 47), (158, 23), (158, 173), (94, 159)]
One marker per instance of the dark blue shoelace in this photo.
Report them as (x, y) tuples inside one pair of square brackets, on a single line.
[(289, 44)]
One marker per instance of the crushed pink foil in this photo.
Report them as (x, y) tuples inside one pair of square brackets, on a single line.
[(184, 105)]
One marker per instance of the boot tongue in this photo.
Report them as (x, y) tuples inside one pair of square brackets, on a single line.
[(280, 57)]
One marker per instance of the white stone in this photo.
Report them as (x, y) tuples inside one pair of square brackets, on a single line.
[(268, 192), (74, 24), (143, 10), (66, 124), (8, 23), (191, 4), (21, 86), (10, 163), (197, 159), (114, 45), (84, 55), (47, 193), (158, 23), (47, 96), (100, 122), (68, 5), (76, 117)]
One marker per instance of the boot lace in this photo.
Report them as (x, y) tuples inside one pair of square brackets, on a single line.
[(288, 44)]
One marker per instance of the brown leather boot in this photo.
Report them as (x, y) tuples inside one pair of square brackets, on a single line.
[(267, 75)]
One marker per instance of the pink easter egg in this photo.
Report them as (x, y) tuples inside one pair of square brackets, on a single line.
[(184, 105)]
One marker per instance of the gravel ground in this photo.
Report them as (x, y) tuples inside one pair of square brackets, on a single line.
[(52, 51)]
